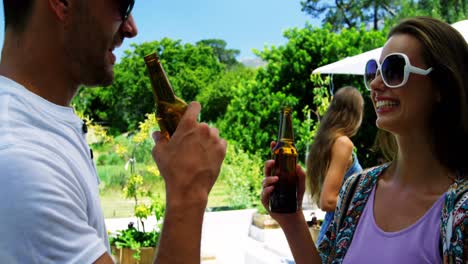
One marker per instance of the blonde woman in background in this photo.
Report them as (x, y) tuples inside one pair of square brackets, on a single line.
[(331, 159)]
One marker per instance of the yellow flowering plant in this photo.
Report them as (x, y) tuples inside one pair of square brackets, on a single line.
[(145, 203), (96, 133)]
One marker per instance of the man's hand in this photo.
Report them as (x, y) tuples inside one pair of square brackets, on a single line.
[(191, 159), (189, 162)]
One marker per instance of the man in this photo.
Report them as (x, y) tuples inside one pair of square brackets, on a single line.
[(50, 209)]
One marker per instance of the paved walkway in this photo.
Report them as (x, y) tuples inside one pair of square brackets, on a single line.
[(229, 238)]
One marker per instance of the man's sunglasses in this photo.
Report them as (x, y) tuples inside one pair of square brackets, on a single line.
[(125, 8), (395, 70)]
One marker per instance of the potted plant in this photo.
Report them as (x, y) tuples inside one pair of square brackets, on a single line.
[(262, 219), (136, 245), (133, 246)]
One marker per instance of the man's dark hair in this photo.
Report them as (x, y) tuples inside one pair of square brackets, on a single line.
[(17, 13)]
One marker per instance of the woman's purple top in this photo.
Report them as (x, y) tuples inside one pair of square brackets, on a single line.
[(418, 243)]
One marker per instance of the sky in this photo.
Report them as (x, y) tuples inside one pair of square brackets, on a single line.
[(243, 24)]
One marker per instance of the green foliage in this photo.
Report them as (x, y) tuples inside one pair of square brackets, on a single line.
[(225, 56), (157, 206), (132, 237), (450, 11), (377, 13), (111, 177), (108, 158), (252, 115), (321, 95), (308, 128), (135, 239), (127, 156), (216, 96), (132, 188), (242, 102), (135, 188), (304, 132), (243, 174), (190, 69), (349, 13)]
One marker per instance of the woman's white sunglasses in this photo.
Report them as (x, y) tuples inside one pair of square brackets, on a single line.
[(395, 70)]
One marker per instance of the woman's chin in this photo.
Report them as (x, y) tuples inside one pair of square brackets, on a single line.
[(384, 124)]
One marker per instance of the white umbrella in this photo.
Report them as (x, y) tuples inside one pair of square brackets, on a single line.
[(355, 65), (462, 26)]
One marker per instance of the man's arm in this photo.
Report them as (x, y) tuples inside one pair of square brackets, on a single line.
[(181, 236), (189, 163)]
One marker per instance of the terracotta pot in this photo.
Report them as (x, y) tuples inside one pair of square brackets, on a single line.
[(264, 221), (125, 255)]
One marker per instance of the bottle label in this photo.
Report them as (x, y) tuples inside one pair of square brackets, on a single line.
[(284, 196), (169, 115)]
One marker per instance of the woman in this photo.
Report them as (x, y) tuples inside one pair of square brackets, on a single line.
[(413, 209), (331, 158)]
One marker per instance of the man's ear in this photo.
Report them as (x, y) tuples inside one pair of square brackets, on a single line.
[(60, 8)]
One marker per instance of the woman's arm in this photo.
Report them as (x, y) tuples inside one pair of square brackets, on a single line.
[(294, 225), (300, 241), (341, 152)]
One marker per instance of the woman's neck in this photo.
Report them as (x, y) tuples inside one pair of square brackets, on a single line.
[(417, 166)]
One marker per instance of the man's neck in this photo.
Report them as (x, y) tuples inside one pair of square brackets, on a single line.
[(38, 68)]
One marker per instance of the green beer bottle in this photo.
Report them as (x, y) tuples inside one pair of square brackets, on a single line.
[(169, 107)]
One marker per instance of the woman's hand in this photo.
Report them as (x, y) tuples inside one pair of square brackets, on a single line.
[(294, 225), (268, 186)]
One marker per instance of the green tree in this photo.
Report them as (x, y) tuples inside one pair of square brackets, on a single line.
[(225, 56), (216, 96), (450, 11), (243, 175), (251, 118), (352, 13), (190, 69)]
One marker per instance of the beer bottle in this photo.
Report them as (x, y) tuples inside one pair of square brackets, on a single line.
[(169, 107), (283, 199)]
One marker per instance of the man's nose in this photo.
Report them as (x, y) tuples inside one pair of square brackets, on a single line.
[(129, 28)]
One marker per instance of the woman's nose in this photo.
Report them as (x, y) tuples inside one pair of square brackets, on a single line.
[(377, 83)]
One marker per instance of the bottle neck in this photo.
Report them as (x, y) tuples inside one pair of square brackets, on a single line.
[(285, 132), (162, 88)]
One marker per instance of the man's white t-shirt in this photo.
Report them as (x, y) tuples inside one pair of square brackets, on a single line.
[(50, 210)]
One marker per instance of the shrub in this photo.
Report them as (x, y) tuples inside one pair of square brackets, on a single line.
[(242, 173)]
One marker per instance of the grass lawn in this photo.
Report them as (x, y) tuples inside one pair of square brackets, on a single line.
[(115, 205)]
